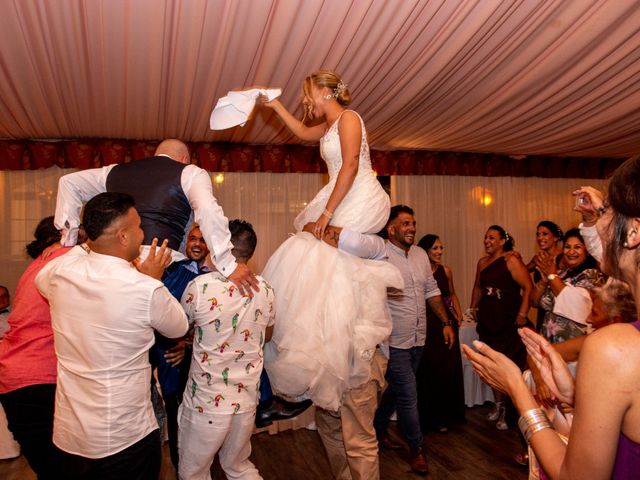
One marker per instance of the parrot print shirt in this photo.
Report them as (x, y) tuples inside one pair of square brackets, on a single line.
[(228, 337)]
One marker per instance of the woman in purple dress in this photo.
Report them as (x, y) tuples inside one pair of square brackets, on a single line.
[(440, 384), (604, 441), (501, 299)]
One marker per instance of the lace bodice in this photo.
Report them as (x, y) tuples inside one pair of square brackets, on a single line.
[(365, 208), (331, 151)]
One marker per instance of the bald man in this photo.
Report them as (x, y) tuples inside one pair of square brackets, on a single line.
[(166, 189)]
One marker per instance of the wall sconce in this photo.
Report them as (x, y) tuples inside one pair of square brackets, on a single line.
[(219, 178), (481, 195)]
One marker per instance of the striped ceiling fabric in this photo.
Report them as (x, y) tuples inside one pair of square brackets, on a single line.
[(528, 77)]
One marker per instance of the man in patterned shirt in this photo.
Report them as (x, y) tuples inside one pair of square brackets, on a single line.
[(218, 410)]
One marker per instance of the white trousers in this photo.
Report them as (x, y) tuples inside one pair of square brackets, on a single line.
[(200, 437)]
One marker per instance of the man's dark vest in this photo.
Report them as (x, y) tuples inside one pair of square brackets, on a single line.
[(155, 185)]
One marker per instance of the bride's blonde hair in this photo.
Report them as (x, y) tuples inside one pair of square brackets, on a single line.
[(329, 79)]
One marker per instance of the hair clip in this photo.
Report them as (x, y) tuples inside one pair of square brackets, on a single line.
[(341, 87)]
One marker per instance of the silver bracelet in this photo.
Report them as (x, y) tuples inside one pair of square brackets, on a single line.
[(535, 429), (532, 421)]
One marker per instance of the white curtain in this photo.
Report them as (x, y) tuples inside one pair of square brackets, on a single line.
[(269, 201), (27, 196), (459, 209)]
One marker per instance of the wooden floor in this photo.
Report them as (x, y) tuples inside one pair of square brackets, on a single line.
[(475, 451)]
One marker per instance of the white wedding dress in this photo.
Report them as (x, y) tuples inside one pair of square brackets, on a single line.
[(331, 307)]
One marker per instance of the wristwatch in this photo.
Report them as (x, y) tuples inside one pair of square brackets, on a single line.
[(551, 276)]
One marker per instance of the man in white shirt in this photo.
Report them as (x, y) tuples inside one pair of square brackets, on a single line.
[(103, 313), (407, 340), (166, 188)]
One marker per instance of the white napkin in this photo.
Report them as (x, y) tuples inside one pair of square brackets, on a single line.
[(234, 109)]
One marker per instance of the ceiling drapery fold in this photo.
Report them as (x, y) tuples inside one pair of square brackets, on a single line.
[(549, 77)]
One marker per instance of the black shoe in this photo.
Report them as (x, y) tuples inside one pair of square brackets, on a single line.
[(384, 440), (279, 409)]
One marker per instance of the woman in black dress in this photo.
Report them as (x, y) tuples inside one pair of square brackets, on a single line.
[(499, 306), (440, 384)]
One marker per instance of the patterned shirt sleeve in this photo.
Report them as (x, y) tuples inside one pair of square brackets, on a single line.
[(190, 300)]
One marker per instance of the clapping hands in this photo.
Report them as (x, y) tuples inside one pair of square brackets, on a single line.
[(545, 263), (552, 367), (494, 368), (503, 374)]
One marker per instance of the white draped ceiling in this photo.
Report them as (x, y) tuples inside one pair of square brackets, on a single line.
[(552, 77)]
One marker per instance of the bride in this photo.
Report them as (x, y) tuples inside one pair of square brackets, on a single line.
[(330, 306)]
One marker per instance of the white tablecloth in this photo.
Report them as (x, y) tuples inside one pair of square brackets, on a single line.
[(476, 392)]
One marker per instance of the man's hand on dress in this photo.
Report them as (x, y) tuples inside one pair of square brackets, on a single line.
[(156, 262), (320, 226), (243, 278), (331, 234)]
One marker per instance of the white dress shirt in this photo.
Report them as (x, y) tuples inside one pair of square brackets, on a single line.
[(408, 306), (77, 188), (103, 315), (363, 245)]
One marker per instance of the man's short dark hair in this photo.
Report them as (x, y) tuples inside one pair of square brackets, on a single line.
[(394, 213), (103, 209), (396, 210), (243, 238)]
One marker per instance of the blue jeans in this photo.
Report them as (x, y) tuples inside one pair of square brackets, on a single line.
[(401, 395)]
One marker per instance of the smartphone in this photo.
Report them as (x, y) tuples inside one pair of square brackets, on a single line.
[(583, 200)]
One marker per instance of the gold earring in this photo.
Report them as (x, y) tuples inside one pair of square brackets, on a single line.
[(328, 97)]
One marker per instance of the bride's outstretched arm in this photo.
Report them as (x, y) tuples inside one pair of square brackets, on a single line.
[(299, 129)]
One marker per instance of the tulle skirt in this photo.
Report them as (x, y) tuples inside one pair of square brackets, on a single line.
[(331, 312)]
